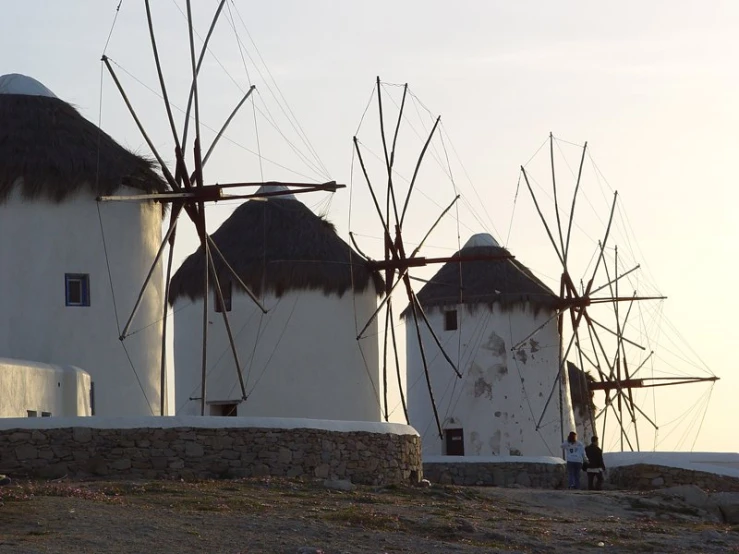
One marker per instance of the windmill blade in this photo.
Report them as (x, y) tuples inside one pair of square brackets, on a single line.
[(414, 299), (557, 379), (385, 227), (602, 244), (167, 236), (196, 100), (541, 216), (380, 306), (162, 84), (397, 124), (197, 70), (612, 282), (204, 366), (388, 162), (641, 365), (572, 209), (397, 363), (165, 171), (426, 369), (415, 171), (431, 229), (227, 324), (554, 190), (616, 333), (227, 123), (384, 364), (235, 275)]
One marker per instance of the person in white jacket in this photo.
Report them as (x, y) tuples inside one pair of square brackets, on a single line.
[(574, 455)]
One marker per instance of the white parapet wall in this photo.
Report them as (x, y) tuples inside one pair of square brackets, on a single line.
[(35, 389)]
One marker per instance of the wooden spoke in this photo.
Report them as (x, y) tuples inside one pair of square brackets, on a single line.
[(139, 298), (235, 275), (162, 84), (384, 363), (426, 369), (541, 217), (204, 366), (397, 363), (197, 70), (572, 209), (554, 190), (227, 123), (415, 171), (226, 323)]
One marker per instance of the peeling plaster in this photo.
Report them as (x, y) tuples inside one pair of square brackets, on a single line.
[(522, 356), (495, 344), (533, 345), (483, 388)]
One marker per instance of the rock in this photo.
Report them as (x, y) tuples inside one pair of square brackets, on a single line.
[(321, 471), (424, 483), (309, 550), (690, 494), (339, 485), (728, 505), (658, 482)]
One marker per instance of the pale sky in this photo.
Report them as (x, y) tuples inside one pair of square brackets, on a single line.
[(652, 87)]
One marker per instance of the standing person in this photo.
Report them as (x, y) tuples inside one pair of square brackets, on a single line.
[(574, 456), (596, 467)]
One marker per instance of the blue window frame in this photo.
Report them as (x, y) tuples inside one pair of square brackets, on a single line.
[(77, 289)]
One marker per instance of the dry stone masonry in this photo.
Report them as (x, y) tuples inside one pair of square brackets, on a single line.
[(545, 473), (364, 457)]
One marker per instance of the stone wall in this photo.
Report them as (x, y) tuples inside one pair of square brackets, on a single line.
[(211, 452), (649, 476), (499, 474)]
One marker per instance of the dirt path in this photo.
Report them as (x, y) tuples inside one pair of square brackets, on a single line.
[(281, 516)]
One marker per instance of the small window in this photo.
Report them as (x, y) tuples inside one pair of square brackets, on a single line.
[(450, 320), (77, 289), (226, 290), (32, 413), (45, 414)]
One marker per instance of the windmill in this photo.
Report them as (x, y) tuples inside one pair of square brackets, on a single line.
[(588, 332), (189, 193), (391, 207)]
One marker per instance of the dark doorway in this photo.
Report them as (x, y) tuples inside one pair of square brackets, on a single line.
[(227, 409), (454, 442)]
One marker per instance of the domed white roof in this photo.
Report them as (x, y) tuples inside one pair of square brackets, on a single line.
[(481, 239), (15, 83), (276, 188)]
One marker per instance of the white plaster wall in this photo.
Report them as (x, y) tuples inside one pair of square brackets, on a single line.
[(501, 395), (300, 360), (62, 391), (40, 241)]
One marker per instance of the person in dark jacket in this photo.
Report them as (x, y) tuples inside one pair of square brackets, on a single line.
[(596, 467)]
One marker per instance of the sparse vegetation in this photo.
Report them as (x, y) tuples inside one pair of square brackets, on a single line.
[(281, 515)]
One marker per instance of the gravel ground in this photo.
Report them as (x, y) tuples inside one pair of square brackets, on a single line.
[(294, 517)]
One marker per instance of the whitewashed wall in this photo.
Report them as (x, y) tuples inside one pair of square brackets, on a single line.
[(40, 241), (62, 391), (306, 364), (502, 394)]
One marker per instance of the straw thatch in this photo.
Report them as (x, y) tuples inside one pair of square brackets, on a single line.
[(582, 396), (507, 283), (49, 150), (276, 246)]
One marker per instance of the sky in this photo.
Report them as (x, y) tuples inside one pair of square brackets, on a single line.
[(651, 87)]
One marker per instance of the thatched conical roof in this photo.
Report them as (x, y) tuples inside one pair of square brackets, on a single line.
[(48, 150), (278, 245), (506, 282)]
